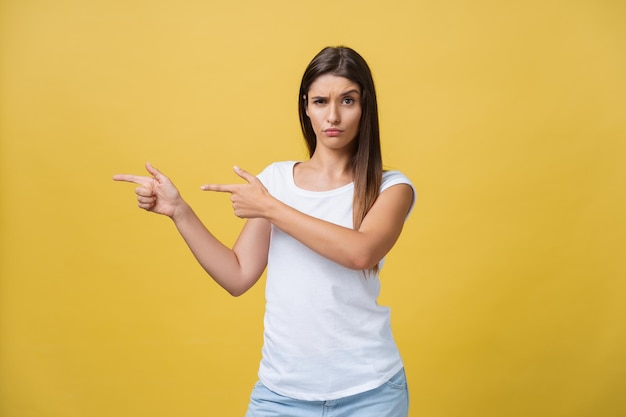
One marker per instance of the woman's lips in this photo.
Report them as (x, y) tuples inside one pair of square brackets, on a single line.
[(333, 132)]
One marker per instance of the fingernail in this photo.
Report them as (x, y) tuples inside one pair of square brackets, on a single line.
[(236, 168)]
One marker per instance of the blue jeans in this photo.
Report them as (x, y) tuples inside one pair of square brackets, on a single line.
[(389, 400)]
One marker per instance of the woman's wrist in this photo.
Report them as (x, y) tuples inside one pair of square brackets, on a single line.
[(182, 211)]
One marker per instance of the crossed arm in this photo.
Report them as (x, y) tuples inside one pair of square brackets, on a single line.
[(239, 268)]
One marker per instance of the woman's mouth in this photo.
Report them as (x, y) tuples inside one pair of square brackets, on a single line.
[(333, 132)]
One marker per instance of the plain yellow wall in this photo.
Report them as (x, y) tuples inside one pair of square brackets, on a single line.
[(507, 287)]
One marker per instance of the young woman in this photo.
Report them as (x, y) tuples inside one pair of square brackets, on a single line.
[(322, 227)]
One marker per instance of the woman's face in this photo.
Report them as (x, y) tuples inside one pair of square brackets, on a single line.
[(334, 108)]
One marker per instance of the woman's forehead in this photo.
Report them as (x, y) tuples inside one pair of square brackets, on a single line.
[(330, 83)]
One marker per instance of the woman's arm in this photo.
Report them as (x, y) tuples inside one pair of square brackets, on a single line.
[(356, 249), (236, 269)]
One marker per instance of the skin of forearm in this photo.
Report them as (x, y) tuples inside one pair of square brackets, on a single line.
[(347, 247), (219, 261), (355, 249)]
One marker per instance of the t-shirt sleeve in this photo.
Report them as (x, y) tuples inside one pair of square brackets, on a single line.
[(275, 176), (267, 177), (391, 178)]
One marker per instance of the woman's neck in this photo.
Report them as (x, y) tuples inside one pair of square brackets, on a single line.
[(323, 173)]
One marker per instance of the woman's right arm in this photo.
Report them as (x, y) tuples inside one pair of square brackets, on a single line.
[(236, 269)]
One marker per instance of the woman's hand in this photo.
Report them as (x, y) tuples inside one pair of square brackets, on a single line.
[(156, 193), (250, 200)]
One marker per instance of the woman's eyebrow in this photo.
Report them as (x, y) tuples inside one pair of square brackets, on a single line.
[(347, 93), (353, 91)]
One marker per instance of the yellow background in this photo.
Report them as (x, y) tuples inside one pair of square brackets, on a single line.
[(507, 287)]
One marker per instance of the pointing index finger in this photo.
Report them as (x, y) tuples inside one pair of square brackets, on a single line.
[(220, 188), (132, 178)]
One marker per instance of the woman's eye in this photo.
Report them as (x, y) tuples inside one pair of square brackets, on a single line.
[(348, 100), (319, 101)]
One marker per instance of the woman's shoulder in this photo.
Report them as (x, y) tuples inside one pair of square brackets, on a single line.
[(393, 177), (276, 172), (280, 166)]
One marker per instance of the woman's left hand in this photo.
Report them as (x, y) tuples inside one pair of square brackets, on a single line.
[(250, 200)]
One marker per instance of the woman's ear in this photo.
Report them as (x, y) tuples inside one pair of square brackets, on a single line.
[(306, 105)]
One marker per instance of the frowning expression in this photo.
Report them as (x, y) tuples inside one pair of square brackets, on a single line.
[(334, 108)]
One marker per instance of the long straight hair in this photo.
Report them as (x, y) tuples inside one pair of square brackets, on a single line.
[(367, 162)]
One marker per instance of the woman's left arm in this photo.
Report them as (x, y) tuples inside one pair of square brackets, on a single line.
[(355, 249)]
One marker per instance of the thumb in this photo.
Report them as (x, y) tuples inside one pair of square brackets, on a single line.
[(154, 172), (244, 174)]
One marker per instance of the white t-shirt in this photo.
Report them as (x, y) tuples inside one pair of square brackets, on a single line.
[(325, 335)]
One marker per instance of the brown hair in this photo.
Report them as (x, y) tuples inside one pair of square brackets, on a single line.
[(367, 159)]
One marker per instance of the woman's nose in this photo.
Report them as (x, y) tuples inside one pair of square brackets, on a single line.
[(333, 114)]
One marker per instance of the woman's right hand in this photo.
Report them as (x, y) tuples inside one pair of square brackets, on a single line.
[(156, 193)]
